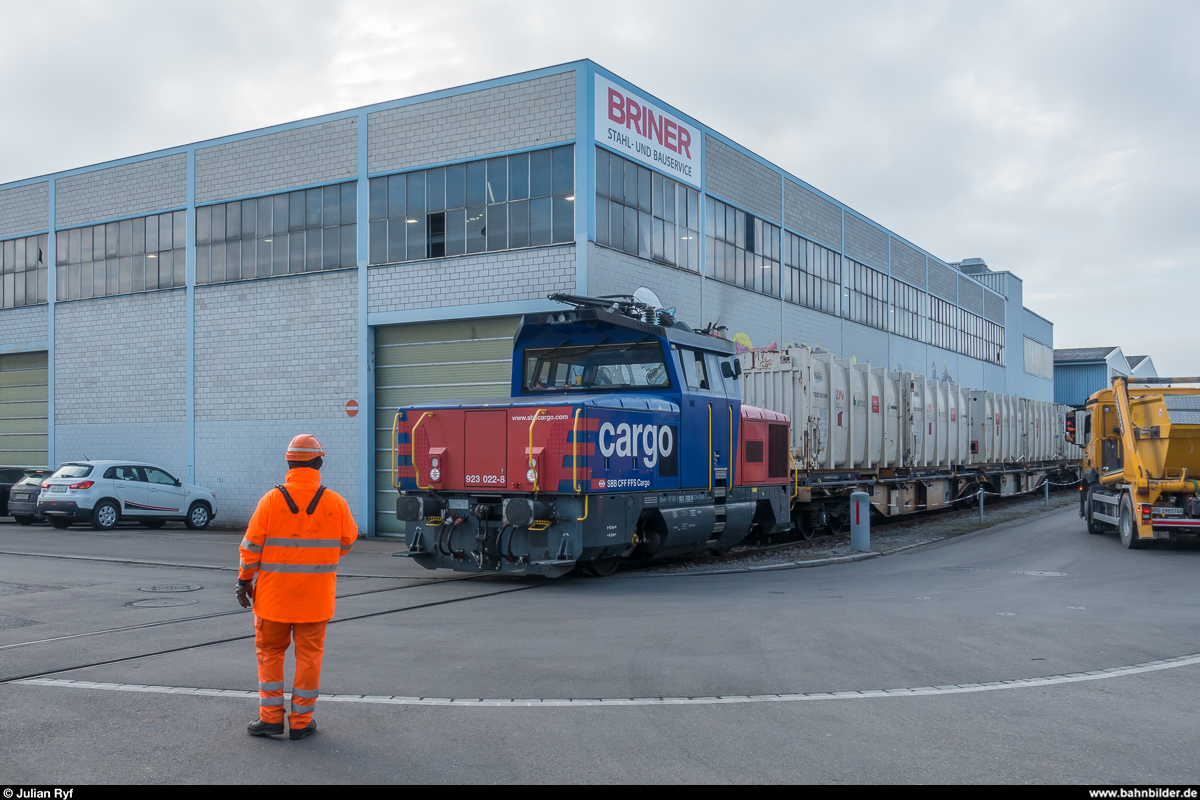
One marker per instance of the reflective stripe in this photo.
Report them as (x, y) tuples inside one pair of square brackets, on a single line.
[(265, 567), (270, 701), (301, 708), (305, 450), (251, 546), (251, 565), (347, 549), (308, 694), (272, 686), (302, 542)]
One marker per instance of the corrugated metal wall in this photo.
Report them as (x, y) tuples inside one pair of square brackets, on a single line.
[(1074, 383)]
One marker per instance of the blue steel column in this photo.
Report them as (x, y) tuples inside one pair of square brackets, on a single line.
[(366, 397), (585, 173), (51, 292), (190, 305)]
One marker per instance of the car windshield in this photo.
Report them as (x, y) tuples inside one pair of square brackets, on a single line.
[(605, 368), (73, 471)]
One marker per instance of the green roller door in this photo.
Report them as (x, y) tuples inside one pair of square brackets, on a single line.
[(432, 361), (24, 401)]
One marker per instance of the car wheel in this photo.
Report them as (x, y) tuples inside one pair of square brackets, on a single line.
[(105, 516), (1129, 536), (60, 522), (198, 516), (154, 524), (23, 520)]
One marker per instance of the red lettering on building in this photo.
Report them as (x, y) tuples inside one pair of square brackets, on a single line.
[(685, 140), (616, 106), (670, 135), (633, 115)]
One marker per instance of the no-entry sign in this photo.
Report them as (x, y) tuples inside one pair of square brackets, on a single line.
[(352, 408)]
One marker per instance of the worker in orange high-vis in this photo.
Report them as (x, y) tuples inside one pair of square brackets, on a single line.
[(296, 536)]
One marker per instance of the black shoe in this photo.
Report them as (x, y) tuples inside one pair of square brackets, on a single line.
[(300, 733), (260, 728)]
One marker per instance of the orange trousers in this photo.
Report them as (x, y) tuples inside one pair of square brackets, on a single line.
[(271, 639)]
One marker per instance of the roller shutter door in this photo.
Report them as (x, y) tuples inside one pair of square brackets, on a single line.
[(432, 361), (24, 400)]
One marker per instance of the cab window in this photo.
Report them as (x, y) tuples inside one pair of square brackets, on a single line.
[(158, 476), (695, 375)]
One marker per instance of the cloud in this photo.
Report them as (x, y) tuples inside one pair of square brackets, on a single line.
[(1054, 140)]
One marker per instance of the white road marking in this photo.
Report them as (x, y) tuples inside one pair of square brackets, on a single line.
[(514, 702)]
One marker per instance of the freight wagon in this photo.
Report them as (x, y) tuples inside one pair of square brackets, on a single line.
[(629, 436)]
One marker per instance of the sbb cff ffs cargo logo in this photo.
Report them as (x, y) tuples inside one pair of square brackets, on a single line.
[(640, 130), (645, 441)]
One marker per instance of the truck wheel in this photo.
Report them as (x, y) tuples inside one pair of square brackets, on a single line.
[(1092, 526), (1129, 537)]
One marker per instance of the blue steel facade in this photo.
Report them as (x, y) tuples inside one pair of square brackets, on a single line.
[(204, 424)]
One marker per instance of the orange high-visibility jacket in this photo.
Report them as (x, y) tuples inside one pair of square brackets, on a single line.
[(296, 555)]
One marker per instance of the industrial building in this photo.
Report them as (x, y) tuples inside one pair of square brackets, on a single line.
[(197, 306), (1080, 372)]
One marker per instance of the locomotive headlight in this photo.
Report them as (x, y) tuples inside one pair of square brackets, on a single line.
[(435, 462), (435, 474), (531, 475)]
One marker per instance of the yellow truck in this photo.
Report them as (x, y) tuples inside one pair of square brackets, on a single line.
[(1141, 459)]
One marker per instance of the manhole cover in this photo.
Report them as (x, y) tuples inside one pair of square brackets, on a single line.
[(163, 602), (963, 569), (1041, 573), (172, 588)]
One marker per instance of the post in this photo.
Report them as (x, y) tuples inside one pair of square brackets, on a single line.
[(860, 522), (1047, 503), (981, 504)]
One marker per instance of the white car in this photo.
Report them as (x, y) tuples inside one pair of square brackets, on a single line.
[(106, 492)]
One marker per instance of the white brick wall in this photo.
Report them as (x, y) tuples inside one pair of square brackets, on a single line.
[(240, 460), (313, 154), (278, 349), (614, 272), (907, 356), (486, 278), (806, 326), (865, 344), (23, 325), (908, 264), (24, 209), (123, 191), (120, 359), (865, 243), (814, 217), (741, 180), (161, 443), (512, 117)]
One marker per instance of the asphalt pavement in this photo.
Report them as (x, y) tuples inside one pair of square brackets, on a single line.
[(1026, 653)]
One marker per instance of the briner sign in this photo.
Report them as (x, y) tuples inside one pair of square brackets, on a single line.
[(643, 132)]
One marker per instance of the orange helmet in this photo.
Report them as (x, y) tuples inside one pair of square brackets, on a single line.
[(304, 447)]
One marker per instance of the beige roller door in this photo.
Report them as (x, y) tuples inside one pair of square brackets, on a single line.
[(24, 400), (432, 361)]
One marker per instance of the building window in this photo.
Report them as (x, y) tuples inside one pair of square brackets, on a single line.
[(908, 310), (814, 276), (645, 213), (23, 267), (943, 324), (741, 249), (993, 341), (866, 295), (133, 255), (303, 231), (1039, 359), (970, 338), (503, 203)]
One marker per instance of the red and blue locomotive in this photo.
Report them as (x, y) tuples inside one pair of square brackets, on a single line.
[(625, 438)]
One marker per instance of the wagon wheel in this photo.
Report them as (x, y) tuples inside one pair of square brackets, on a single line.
[(603, 567)]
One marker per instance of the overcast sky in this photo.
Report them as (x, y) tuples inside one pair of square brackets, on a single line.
[(1060, 141)]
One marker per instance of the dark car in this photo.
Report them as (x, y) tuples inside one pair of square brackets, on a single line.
[(8, 477), (21, 498)]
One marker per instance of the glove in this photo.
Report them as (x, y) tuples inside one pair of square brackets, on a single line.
[(244, 593)]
